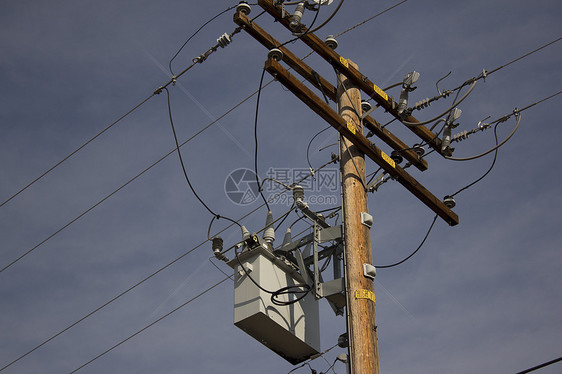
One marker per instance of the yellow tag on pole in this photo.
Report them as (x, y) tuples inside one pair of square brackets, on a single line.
[(365, 294), (351, 127), (388, 159), (380, 92), (344, 62)]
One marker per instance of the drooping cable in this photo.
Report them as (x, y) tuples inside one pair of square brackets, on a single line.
[(503, 119), (256, 142), (329, 18), (489, 169), (310, 143), (181, 158), (150, 325), (215, 215), (413, 253)]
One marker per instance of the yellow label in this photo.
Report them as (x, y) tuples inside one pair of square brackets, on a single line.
[(351, 127), (365, 294), (380, 92), (388, 159), (344, 62)]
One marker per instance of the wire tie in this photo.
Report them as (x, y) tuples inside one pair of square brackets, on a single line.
[(158, 91), (174, 80)]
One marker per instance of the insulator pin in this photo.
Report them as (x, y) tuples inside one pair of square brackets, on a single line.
[(461, 136), (422, 104), (224, 40)]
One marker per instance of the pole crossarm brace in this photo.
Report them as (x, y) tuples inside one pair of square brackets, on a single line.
[(349, 130), (341, 65), (321, 83)]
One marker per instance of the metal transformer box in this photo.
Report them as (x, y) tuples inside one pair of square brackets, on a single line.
[(292, 331)]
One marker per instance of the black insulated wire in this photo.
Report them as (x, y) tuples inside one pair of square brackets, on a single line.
[(180, 157), (256, 141), (413, 253), (489, 169), (297, 289)]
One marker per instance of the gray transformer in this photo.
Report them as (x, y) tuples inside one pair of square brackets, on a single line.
[(293, 330)]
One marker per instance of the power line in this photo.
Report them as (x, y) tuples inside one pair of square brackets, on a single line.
[(129, 181), (540, 366), (370, 18), (221, 42), (307, 362), (154, 273), (76, 150), (525, 55), (195, 33), (150, 325)]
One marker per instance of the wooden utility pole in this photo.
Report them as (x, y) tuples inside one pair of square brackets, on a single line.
[(361, 317), (354, 147)]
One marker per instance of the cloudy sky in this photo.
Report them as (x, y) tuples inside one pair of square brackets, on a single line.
[(484, 296)]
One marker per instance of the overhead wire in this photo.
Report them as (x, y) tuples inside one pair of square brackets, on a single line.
[(149, 325), (149, 276), (195, 33), (132, 110), (173, 80), (545, 364), (174, 149), (215, 215), (129, 181), (158, 91), (307, 362), (76, 150), (414, 252), (370, 19), (256, 141), (503, 119), (489, 169)]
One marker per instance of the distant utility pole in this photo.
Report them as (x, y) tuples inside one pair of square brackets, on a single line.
[(361, 317)]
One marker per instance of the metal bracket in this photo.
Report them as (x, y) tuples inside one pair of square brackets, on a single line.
[(367, 219)]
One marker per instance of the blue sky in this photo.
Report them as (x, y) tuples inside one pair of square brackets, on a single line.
[(482, 296)]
